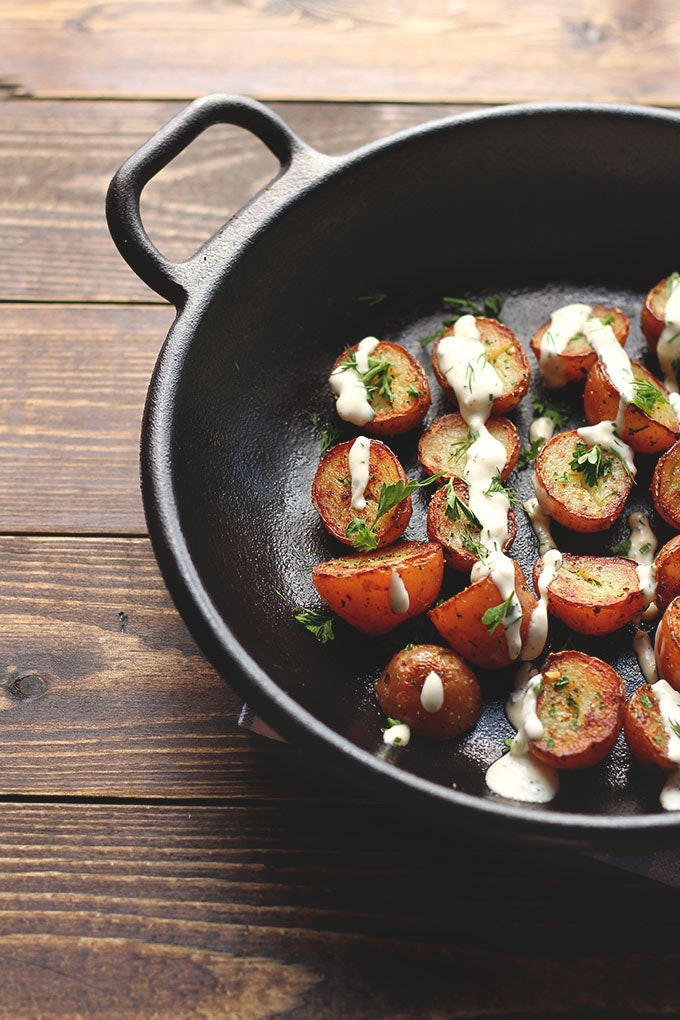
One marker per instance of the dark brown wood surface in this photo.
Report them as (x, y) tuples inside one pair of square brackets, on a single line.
[(156, 860)]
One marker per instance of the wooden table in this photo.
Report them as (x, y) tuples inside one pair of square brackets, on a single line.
[(156, 859)]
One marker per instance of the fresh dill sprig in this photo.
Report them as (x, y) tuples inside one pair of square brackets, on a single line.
[(363, 536), (491, 308), (646, 395), (496, 614), (377, 378), (496, 485), (528, 454), (622, 548), (590, 462)]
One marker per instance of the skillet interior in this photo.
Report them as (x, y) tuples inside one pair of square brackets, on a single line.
[(542, 207)]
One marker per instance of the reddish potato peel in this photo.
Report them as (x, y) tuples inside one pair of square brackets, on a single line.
[(594, 594), (578, 357), (358, 587), (645, 731), (667, 645), (651, 431)]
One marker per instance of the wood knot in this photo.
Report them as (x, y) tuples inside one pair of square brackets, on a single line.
[(26, 685)]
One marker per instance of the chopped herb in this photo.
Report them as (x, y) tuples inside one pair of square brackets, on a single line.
[(507, 745), (456, 507), (623, 548), (645, 548), (393, 722), (528, 454), (588, 460), (377, 378), (675, 726), (363, 537), (462, 446), (373, 298), (470, 542), (557, 413), (495, 614), (562, 682), (573, 704), (646, 395), (608, 320), (413, 391), (496, 485), (318, 624), (329, 436), (549, 743), (492, 306), (646, 701)]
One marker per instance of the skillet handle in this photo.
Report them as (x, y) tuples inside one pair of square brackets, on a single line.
[(171, 279)]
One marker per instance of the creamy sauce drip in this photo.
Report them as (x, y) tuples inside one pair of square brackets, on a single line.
[(517, 775), (565, 324), (463, 362), (605, 434), (644, 650), (397, 735), (668, 347), (432, 694), (358, 467), (541, 428), (538, 623), (540, 522), (399, 597), (643, 544), (353, 404), (669, 707)]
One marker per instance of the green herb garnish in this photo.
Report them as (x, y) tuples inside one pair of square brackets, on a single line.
[(589, 461), (363, 536), (557, 413), (377, 378), (496, 614), (528, 454), (646, 395), (318, 624), (456, 508), (622, 548), (492, 306)]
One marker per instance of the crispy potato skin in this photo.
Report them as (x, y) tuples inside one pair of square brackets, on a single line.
[(644, 730), (594, 594), (459, 621), (441, 448), (667, 645), (667, 569), (410, 390), (578, 356), (451, 534), (581, 717), (563, 493), (331, 493), (357, 587), (401, 682), (666, 485), (505, 353), (644, 432), (653, 312)]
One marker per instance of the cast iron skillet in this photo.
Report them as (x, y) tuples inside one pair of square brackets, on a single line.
[(540, 204)]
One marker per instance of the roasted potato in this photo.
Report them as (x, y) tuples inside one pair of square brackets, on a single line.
[(652, 318), (377, 591), (645, 730), (666, 485), (587, 497), (649, 426), (458, 537), (667, 645), (332, 493), (580, 707), (443, 447), (667, 571), (575, 361), (503, 352), (594, 594), (432, 690), (398, 392), (459, 621)]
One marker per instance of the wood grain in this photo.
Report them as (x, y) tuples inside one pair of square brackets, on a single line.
[(59, 157), (261, 910), (344, 49), (72, 389)]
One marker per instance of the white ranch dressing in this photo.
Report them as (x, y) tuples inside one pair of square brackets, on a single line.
[(399, 597), (643, 544), (517, 775), (358, 464), (538, 622), (605, 434), (602, 339), (399, 734), (565, 324), (668, 347), (644, 650), (540, 522), (476, 384), (353, 404), (541, 428), (669, 708), (432, 693)]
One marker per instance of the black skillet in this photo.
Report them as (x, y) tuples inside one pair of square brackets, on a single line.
[(540, 204)]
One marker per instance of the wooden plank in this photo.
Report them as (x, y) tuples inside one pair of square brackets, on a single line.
[(60, 156), (434, 51), (264, 910), (72, 389)]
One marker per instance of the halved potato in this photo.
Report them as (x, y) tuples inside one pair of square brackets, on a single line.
[(443, 447), (580, 706), (432, 690), (454, 536), (332, 493), (644, 729), (594, 594), (652, 318), (377, 591), (647, 431), (577, 358), (504, 353), (666, 485), (403, 401), (564, 492), (459, 621), (667, 571), (667, 645)]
